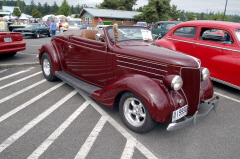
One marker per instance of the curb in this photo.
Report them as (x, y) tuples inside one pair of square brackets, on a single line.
[(19, 65)]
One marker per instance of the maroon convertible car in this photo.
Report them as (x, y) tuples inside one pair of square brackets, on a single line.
[(120, 66)]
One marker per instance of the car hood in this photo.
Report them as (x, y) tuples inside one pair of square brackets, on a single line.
[(156, 53)]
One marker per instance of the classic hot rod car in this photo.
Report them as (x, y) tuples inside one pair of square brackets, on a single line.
[(122, 67)]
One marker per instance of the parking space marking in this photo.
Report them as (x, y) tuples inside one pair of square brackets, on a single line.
[(28, 53), (129, 149), (7, 115), (118, 127), (22, 91), (35, 121), (22, 79), (43, 147), (227, 97), (86, 147), (3, 71), (15, 74)]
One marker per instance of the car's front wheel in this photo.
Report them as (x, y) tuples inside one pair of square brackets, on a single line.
[(47, 68), (37, 35), (134, 113)]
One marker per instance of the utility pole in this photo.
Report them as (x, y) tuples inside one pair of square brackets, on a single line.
[(225, 10)]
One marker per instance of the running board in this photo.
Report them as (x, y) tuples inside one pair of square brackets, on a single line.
[(76, 83)]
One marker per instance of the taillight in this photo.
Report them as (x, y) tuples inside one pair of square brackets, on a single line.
[(17, 38)]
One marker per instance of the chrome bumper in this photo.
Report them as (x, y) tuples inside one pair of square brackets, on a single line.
[(186, 121)]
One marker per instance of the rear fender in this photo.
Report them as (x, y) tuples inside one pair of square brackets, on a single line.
[(155, 97), (51, 51)]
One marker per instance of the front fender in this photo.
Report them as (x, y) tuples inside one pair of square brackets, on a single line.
[(206, 89), (51, 51), (155, 97), (165, 43)]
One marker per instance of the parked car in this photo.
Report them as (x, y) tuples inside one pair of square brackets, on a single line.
[(11, 43), (34, 30), (160, 28), (16, 25), (122, 67), (74, 24), (215, 43), (142, 24)]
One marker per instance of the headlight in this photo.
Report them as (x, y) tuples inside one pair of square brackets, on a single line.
[(177, 83), (174, 82), (205, 74)]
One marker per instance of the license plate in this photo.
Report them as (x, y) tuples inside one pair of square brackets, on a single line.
[(181, 112), (8, 39)]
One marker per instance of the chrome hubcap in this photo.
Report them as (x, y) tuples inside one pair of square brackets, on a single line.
[(134, 112), (46, 67)]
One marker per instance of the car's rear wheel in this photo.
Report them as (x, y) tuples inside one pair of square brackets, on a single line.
[(47, 68), (134, 113), (37, 35)]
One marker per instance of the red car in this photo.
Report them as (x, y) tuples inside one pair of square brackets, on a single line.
[(122, 67), (215, 43), (11, 43)]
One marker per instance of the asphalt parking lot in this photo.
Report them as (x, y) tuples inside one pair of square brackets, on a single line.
[(40, 119)]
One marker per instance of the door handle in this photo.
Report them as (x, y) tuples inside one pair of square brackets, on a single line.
[(70, 46)]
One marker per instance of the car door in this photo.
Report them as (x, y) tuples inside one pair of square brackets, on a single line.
[(217, 54), (87, 60), (184, 39)]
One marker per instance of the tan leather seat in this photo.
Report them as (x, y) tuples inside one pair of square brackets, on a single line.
[(89, 34)]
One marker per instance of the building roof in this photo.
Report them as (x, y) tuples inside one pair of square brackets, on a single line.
[(109, 13), (10, 8)]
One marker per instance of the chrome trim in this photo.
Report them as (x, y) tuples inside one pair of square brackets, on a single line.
[(142, 66), (141, 60), (140, 70), (176, 125), (225, 83), (204, 45)]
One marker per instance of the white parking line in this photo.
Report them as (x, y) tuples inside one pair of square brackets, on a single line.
[(86, 147), (227, 97), (129, 149), (15, 74), (126, 134), (22, 79), (7, 115), (3, 71), (34, 122), (22, 90), (40, 150), (28, 53)]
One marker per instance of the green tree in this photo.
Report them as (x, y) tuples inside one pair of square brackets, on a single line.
[(118, 4), (55, 8), (154, 11), (16, 12), (64, 8), (20, 4), (36, 14), (174, 13), (4, 3), (46, 9)]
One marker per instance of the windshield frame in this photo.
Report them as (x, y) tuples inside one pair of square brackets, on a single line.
[(237, 33)]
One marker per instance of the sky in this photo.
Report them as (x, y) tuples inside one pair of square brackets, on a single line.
[(198, 6)]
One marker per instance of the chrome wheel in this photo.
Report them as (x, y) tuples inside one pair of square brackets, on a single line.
[(134, 112), (46, 67)]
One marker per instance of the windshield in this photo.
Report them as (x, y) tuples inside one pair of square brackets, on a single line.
[(131, 33), (74, 22), (238, 34), (32, 26)]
